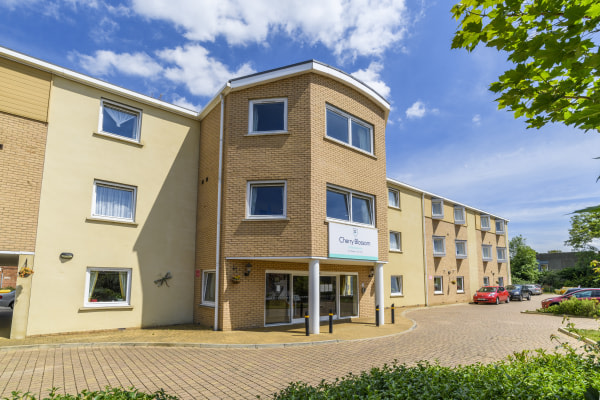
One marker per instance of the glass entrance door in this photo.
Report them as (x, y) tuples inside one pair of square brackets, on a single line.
[(327, 295), (300, 305), (277, 299)]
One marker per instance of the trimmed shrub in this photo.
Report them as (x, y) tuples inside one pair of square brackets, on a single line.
[(573, 306), (107, 394)]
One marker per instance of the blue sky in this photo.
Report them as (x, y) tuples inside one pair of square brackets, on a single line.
[(444, 135)]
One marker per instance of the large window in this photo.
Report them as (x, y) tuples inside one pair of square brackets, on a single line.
[(395, 241), (460, 284), (119, 120), (350, 130), (459, 215), (113, 201), (396, 285), (501, 252), (499, 226), (461, 248), (268, 116), (107, 287), (486, 252), (347, 205), (437, 285), (393, 198), (439, 246), (485, 222), (437, 208), (266, 200), (208, 288)]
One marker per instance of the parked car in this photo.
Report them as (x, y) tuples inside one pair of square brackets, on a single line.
[(582, 294), (7, 299), (519, 292), (533, 289), (491, 294)]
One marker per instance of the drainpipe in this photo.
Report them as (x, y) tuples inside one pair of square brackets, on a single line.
[(219, 196), (506, 243), (425, 249)]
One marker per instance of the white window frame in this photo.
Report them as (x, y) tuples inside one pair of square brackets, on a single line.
[(502, 223), (351, 119), (114, 104), (398, 240), (396, 195), (486, 218), (251, 104), (94, 304), (483, 257), (352, 193), (118, 186), (501, 254), (443, 239), (462, 210), (486, 281), (249, 186), (462, 285), (204, 280), (441, 278), (441, 203), (400, 279), (460, 255)]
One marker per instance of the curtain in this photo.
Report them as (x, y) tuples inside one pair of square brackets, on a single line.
[(118, 116), (93, 280), (347, 283), (361, 137), (113, 202), (209, 286), (394, 245), (123, 285)]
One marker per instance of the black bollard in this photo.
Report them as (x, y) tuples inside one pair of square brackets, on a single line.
[(306, 323), (330, 321), (377, 315), (393, 312)]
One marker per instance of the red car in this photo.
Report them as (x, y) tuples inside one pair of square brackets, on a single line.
[(583, 294), (491, 294)]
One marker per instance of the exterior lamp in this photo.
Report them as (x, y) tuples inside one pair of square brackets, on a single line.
[(371, 273), (66, 256), (248, 269)]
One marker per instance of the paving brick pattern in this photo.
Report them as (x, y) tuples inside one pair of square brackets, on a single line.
[(457, 334)]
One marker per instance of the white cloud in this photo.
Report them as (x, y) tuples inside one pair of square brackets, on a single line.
[(105, 62), (371, 77), (104, 31), (417, 110), (202, 74), (476, 120), (349, 28), (183, 102)]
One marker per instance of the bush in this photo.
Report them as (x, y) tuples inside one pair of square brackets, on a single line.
[(107, 394), (525, 375), (573, 306)]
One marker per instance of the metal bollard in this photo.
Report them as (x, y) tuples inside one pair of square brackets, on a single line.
[(306, 323), (377, 315), (330, 320), (393, 312)]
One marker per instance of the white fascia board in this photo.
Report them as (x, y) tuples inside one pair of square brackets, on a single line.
[(89, 81), (273, 75), (16, 253), (437, 196)]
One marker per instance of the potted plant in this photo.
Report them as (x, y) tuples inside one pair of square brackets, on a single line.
[(236, 279)]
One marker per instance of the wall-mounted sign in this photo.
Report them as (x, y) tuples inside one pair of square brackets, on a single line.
[(353, 242)]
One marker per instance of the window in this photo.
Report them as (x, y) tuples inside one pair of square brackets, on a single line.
[(268, 116), (395, 241), (350, 206), (107, 287), (485, 222), (208, 288), (486, 252), (459, 215), (350, 130), (461, 248), (501, 252), (396, 285), (119, 120), (486, 281), (437, 208), (499, 226), (393, 198), (501, 281), (460, 284), (266, 200), (439, 246), (437, 285), (113, 201)]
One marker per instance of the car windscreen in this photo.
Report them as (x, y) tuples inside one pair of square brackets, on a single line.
[(513, 287), (487, 289)]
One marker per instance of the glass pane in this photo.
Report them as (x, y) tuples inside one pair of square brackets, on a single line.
[(268, 117), (459, 283), (209, 287), (459, 214), (393, 198), (277, 306), (337, 126), (300, 296), (361, 137), (327, 293), (348, 296), (485, 222), (106, 286), (361, 210), (436, 208), (119, 122), (114, 202), (460, 249), (438, 246), (437, 283), (337, 205), (396, 284), (394, 242), (267, 200)]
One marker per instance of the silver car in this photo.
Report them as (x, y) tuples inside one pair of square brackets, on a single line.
[(7, 299)]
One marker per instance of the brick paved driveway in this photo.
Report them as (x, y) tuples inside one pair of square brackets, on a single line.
[(457, 334)]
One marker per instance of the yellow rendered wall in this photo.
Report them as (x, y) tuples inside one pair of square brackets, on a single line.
[(24, 91), (164, 170)]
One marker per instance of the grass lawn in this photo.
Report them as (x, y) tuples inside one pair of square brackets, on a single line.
[(593, 334)]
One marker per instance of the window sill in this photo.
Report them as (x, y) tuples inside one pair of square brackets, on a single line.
[(396, 295), (461, 257), (366, 153), (460, 291), (105, 308), (110, 221), (485, 229), (486, 259), (394, 207), (116, 138), (438, 293), (437, 217), (459, 222), (267, 133), (341, 221), (395, 251), (439, 255), (266, 219), (207, 305)]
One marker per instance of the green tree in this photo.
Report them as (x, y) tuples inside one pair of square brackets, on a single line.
[(523, 263), (585, 227), (553, 48)]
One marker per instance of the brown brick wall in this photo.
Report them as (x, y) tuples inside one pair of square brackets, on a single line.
[(21, 164)]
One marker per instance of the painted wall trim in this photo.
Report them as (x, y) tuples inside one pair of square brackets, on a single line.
[(17, 253)]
